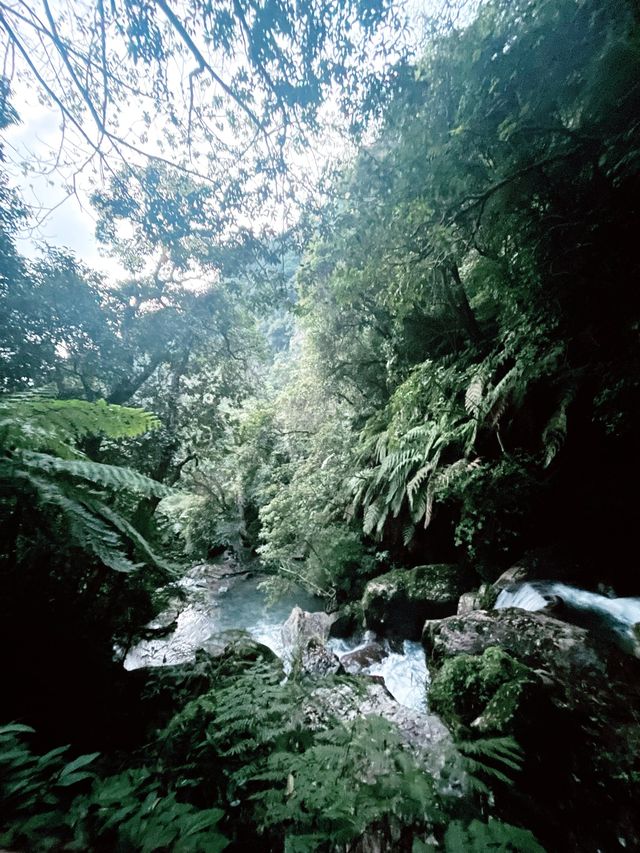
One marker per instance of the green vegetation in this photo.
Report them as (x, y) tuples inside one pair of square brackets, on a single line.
[(485, 691), (384, 379)]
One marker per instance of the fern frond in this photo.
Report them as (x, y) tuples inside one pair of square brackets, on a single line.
[(493, 759), (416, 481), (89, 531), (474, 394), (130, 532), (408, 533), (497, 400), (110, 476), (479, 837), (371, 517), (555, 432), (40, 423)]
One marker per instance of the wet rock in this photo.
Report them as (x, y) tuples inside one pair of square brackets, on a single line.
[(360, 659), (301, 627), (478, 599), (535, 639), (398, 602), (513, 576), (572, 703), (316, 659)]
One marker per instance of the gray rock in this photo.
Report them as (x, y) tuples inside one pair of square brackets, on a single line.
[(478, 599), (301, 627), (536, 639), (425, 735), (316, 659), (360, 659)]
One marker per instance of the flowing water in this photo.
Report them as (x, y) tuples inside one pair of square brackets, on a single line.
[(240, 604), (616, 616)]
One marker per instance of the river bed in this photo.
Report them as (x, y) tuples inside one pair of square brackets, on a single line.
[(217, 603)]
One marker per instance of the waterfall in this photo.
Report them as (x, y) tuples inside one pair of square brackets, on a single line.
[(618, 616)]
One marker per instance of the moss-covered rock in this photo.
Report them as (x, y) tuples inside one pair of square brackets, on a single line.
[(478, 599), (486, 692), (400, 601), (535, 639)]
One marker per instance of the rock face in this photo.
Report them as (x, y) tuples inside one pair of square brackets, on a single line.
[(400, 601), (316, 659), (304, 636), (571, 702)]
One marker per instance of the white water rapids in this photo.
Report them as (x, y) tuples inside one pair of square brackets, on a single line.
[(618, 616), (210, 610)]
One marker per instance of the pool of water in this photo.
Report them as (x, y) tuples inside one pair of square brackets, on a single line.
[(243, 604)]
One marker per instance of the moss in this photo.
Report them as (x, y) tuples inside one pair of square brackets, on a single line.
[(401, 600), (485, 690), (487, 596)]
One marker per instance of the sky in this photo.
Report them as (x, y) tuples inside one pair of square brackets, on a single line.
[(61, 218)]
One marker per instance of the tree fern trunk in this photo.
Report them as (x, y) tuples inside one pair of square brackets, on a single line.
[(459, 302)]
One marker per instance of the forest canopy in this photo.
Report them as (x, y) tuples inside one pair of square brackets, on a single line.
[(419, 353)]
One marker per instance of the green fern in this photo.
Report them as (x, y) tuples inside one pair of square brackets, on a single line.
[(43, 462), (479, 837), (555, 432), (488, 761), (32, 421), (112, 477)]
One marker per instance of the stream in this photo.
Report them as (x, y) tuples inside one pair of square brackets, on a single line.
[(216, 603), (616, 618)]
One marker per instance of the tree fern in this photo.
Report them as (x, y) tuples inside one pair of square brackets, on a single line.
[(42, 423), (42, 461), (86, 527)]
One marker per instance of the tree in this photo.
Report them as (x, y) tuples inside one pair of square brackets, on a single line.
[(255, 75), (456, 287)]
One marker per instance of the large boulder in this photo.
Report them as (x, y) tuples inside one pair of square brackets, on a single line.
[(304, 638), (538, 640), (398, 602), (571, 701), (301, 627)]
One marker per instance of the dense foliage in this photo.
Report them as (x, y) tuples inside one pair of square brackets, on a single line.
[(438, 365)]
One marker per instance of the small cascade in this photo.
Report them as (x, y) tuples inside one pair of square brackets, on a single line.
[(525, 597), (212, 608), (405, 673), (616, 616)]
